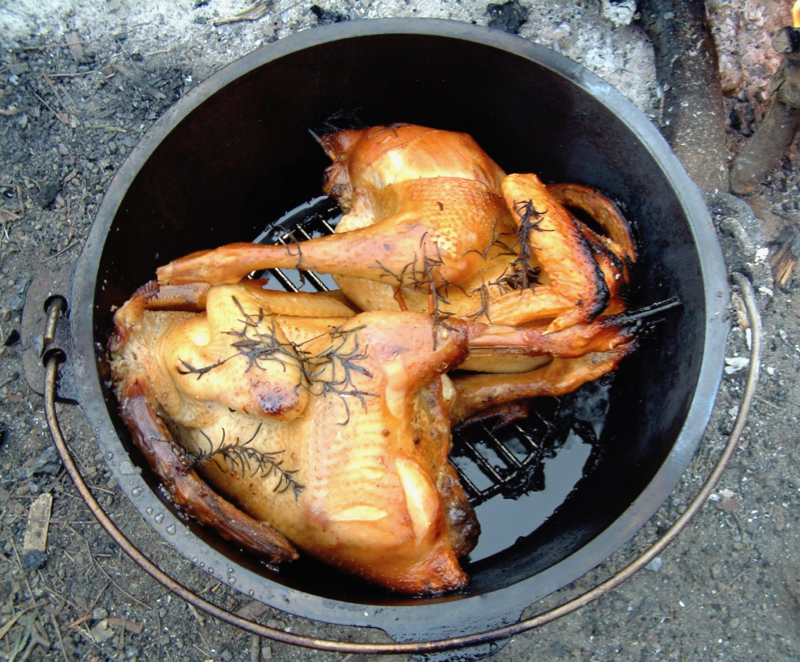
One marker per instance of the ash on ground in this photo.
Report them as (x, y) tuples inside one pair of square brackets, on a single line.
[(81, 83)]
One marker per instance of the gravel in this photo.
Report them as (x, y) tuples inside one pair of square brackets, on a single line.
[(727, 589)]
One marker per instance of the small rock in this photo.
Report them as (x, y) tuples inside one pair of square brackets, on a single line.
[(18, 68), (33, 560), (129, 141), (326, 16), (226, 656), (12, 338), (507, 17), (48, 462), (266, 652), (102, 631), (100, 613), (655, 565), (47, 195), (619, 12)]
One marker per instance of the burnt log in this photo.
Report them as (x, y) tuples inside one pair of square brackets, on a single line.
[(692, 115), (772, 138)]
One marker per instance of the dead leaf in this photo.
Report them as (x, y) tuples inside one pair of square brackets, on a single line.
[(251, 610)]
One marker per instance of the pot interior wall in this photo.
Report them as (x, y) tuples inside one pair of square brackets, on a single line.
[(245, 156)]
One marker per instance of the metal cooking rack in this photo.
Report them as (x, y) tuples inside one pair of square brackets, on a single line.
[(489, 460)]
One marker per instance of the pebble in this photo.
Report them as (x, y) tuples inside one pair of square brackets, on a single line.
[(47, 195), (226, 656), (266, 652), (48, 462), (18, 68), (33, 560), (508, 16), (101, 631), (100, 613), (655, 565)]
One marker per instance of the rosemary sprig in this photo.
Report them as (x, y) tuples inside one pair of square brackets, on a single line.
[(331, 371), (257, 344), (244, 458), (530, 221)]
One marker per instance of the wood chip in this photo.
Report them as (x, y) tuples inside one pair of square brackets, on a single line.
[(38, 524), (75, 46), (130, 626), (252, 610)]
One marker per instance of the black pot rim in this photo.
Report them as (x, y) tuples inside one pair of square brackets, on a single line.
[(430, 617)]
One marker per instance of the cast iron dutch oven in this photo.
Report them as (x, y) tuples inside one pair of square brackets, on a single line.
[(235, 154)]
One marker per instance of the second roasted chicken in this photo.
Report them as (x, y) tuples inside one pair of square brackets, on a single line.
[(433, 225)]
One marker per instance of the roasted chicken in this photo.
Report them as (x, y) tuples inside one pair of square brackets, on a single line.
[(334, 435), (328, 429), (433, 225)]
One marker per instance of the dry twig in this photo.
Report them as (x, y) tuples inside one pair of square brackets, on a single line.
[(255, 11), (62, 117), (153, 92)]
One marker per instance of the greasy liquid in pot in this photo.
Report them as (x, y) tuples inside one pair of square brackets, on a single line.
[(516, 476), (568, 448)]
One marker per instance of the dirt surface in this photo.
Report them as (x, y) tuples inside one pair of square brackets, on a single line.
[(81, 83)]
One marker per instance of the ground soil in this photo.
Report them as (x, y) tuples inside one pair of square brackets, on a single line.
[(81, 83)]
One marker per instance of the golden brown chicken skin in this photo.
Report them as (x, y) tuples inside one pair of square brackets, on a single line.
[(433, 224), (357, 475)]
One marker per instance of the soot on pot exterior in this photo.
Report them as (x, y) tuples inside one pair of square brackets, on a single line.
[(235, 154)]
